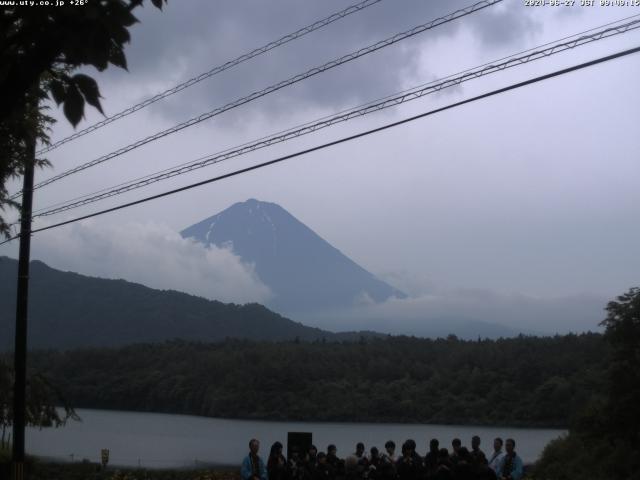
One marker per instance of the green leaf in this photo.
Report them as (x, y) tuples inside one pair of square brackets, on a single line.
[(58, 92), (117, 57), (89, 89), (74, 105), (120, 34), (125, 17)]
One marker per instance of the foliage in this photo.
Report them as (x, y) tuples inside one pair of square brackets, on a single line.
[(39, 48), (16, 133), (578, 456), (524, 381), (623, 333), (36, 41), (604, 440), (43, 402)]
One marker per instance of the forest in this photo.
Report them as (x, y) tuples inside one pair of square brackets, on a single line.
[(523, 381)]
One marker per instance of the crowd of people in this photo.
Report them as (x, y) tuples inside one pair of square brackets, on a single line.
[(459, 463)]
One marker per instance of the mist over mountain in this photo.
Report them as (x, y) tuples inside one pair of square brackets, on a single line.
[(313, 282), (68, 310), (304, 272)]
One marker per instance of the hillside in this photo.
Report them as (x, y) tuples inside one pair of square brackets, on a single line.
[(68, 310)]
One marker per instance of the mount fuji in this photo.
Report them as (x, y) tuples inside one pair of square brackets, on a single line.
[(305, 273)]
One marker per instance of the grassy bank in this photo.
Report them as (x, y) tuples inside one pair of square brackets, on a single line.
[(40, 470), (37, 469)]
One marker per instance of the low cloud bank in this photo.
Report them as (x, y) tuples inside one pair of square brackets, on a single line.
[(469, 313), (156, 256), (151, 254)]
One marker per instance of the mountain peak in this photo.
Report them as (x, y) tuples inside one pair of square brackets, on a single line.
[(253, 203), (305, 273), (254, 207)]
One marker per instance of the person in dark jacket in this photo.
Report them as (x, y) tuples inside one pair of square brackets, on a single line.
[(479, 458), (456, 445), (375, 464), (337, 465), (322, 470), (387, 468), (277, 464), (295, 466), (313, 453), (431, 458), (445, 466), (409, 465), (464, 468), (310, 461)]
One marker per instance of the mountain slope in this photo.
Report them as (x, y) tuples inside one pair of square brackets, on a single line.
[(68, 310), (305, 273)]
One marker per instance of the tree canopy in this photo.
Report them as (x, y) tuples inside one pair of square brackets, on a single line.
[(40, 48), (527, 381), (43, 403), (604, 440), (623, 334)]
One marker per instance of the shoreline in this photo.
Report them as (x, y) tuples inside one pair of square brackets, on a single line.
[(518, 425)]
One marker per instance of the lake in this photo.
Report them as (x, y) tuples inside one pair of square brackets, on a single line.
[(153, 440)]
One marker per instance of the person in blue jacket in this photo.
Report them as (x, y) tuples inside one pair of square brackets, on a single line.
[(252, 466), (510, 467)]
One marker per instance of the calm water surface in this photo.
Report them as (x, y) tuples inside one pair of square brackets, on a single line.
[(155, 440)]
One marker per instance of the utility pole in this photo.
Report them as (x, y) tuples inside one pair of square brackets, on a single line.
[(20, 351)]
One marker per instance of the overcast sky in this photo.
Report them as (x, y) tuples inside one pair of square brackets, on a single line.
[(529, 198)]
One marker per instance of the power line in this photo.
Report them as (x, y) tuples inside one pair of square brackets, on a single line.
[(214, 71), (514, 86), (284, 83), (387, 102), (132, 183)]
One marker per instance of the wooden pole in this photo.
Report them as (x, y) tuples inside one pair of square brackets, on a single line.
[(20, 352)]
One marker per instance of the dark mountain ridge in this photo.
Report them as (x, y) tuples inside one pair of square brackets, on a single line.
[(69, 310)]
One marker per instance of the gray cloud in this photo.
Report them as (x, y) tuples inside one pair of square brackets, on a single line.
[(219, 31), (534, 191), (507, 24), (470, 313), (153, 255)]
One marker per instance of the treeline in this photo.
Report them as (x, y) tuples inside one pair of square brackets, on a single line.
[(524, 381), (604, 437)]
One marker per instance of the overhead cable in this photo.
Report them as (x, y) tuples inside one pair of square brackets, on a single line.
[(492, 93), (205, 157), (387, 102), (275, 87), (214, 71)]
